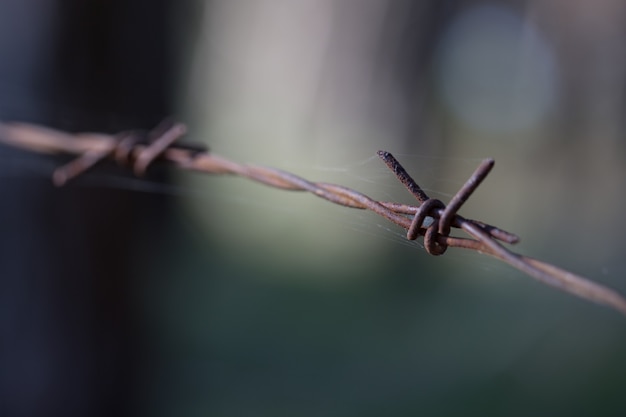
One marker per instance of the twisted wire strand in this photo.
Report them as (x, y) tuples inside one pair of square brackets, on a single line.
[(138, 150)]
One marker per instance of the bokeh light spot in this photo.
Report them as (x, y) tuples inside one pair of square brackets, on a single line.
[(495, 72)]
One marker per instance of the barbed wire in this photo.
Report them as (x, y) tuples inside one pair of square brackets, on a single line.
[(431, 218)]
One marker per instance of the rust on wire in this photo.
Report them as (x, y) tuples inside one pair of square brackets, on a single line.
[(430, 218)]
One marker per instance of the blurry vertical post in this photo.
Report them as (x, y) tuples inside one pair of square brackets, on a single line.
[(70, 329)]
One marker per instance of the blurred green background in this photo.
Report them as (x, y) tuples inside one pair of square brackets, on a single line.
[(259, 302), (286, 305)]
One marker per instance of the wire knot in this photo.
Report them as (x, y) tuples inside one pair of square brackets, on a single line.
[(137, 149), (154, 142), (429, 208), (437, 232)]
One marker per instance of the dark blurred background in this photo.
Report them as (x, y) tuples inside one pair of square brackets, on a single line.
[(71, 336), (183, 294)]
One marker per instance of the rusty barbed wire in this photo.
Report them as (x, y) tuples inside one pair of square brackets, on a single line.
[(431, 218)]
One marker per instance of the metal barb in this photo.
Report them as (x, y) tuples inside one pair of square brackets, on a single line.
[(137, 150), (403, 176), (463, 194), (157, 145)]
